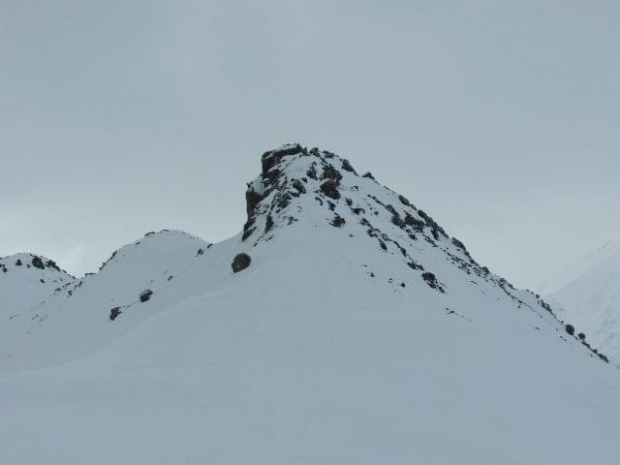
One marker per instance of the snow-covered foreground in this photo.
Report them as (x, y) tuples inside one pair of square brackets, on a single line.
[(330, 348), (588, 296)]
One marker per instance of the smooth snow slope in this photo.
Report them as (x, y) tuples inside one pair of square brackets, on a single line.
[(591, 300), (360, 334)]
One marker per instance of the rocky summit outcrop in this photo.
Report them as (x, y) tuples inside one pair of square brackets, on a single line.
[(312, 187)]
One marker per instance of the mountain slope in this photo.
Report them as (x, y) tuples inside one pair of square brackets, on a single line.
[(72, 321), (26, 281), (590, 300), (359, 333)]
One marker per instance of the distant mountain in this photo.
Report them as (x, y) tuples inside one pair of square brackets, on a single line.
[(587, 295), (341, 325)]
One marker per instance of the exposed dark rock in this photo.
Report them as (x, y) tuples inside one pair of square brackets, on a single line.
[(200, 252), (431, 280), (146, 295), (252, 199), (398, 221), (312, 172), (269, 224), (570, 329), (38, 263), (330, 189), (241, 262), (114, 313), (52, 264), (283, 201), (391, 209), (270, 178), (404, 200), (329, 172), (299, 187), (103, 265), (368, 175), (581, 336), (417, 225), (18, 262), (435, 228), (338, 221), (458, 243), (414, 266), (248, 229), (346, 165), (273, 157)]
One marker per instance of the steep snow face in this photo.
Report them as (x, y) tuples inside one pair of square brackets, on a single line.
[(591, 300), (360, 333)]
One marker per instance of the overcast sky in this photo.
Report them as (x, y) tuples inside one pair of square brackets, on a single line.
[(499, 118)]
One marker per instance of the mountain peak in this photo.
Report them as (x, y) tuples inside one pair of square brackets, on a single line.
[(343, 325), (316, 185), (29, 261)]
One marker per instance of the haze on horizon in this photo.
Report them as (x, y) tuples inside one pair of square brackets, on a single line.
[(500, 119)]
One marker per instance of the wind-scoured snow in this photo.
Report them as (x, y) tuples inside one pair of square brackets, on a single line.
[(361, 333)]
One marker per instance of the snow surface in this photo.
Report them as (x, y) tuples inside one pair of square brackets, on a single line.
[(331, 348), (590, 299)]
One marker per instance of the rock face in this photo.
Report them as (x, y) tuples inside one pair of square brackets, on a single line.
[(241, 262)]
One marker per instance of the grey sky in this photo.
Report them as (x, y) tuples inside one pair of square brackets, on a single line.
[(501, 119)]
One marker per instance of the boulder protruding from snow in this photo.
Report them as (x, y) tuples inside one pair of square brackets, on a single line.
[(146, 295), (241, 262), (114, 313)]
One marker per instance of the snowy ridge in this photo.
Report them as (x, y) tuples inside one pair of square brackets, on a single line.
[(151, 263), (581, 267), (357, 332), (591, 300)]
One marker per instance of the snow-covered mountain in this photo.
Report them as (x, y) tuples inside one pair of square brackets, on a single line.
[(588, 296), (26, 281), (342, 325)]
